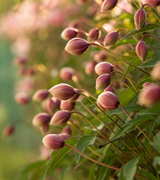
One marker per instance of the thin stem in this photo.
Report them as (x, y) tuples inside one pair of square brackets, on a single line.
[(100, 163), (150, 6), (75, 80), (94, 152), (154, 14), (81, 31), (89, 94), (151, 36), (99, 45)]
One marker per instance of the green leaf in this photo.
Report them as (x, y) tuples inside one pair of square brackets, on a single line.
[(147, 174), (154, 110), (150, 63), (92, 172), (83, 143), (156, 141), (156, 161), (58, 155)]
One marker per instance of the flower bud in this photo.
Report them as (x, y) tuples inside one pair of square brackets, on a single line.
[(151, 2), (156, 71), (77, 46), (94, 34), (109, 88), (141, 50), (22, 98), (20, 61), (103, 67), (50, 106), (146, 84), (111, 38), (8, 131), (108, 5), (89, 67), (140, 19), (60, 117), (99, 56), (57, 102), (108, 100), (115, 84), (74, 98), (150, 94), (62, 91), (40, 95), (64, 136), (66, 73), (53, 141), (44, 129), (69, 33), (103, 81), (41, 119), (69, 106), (66, 130)]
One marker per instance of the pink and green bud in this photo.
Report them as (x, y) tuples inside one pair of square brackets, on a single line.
[(103, 67), (69, 33), (108, 5), (41, 119), (60, 117), (77, 46), (53, 141), (156, 72), (108, 100), (109, 88), (64, 136), (140, 19), (111, 38), (66, 73), (66, 105), (62, 91), (94, 34), (103, 81), (141, 50), (8, 131), (89, 67), (40, 95), (150, 95), (22, 98), (66, 130), (151, 2)]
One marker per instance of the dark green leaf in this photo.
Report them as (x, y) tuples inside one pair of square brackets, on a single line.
[(92, 172), (150, 63), (156, 141)]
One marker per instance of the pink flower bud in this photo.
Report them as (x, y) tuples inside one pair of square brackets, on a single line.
[(66, 130), (151, 2), (99, 56), (141, 50), (74, 98), (60, 117), (64, 136), (103, 67), (108, 5), (108, 100), (94, 34), (44, 129), (53, 141), (8, 131), (40, 95), (115, 84), (57, 102), (89, 67), (66, 73), (62, 91), (22, 98), (50, 106), (111, 38), (150, 94), (103, 81), (41, 119), (77, 46), (140, 19), (109, 88), (20, 61), (146, 84), (69, 106), (156, 71), (69, 33)]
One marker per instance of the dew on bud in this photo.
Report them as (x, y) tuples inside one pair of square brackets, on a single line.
[(69, 33), (141, 50), (111, 38), (108, 5), (103, 67), (40, 95), (140, 19), (41, 119), (103, 81)]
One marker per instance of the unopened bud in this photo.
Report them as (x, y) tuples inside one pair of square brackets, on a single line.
[(8, 131), (74, 98), (108, 5), (109, 88), (94, 34), (22, 98), (156, 71), (41, 119), (50, 106), (108, 100), (151, 2), (77, 46), (64, 136), (53, 141), (103, 67), (99, 56), (150, 95), (111, 38), (40, 95), (66, 73), (44, 129), (69, 106), (62, 91), (66, 130), (146, 84), (60, 117), (57, 102), (103, 81), (89, 67), (20, 61), (140, 19), (141, 50), (69, 33)]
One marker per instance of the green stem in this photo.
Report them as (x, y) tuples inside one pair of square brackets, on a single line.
[(151, 36)]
